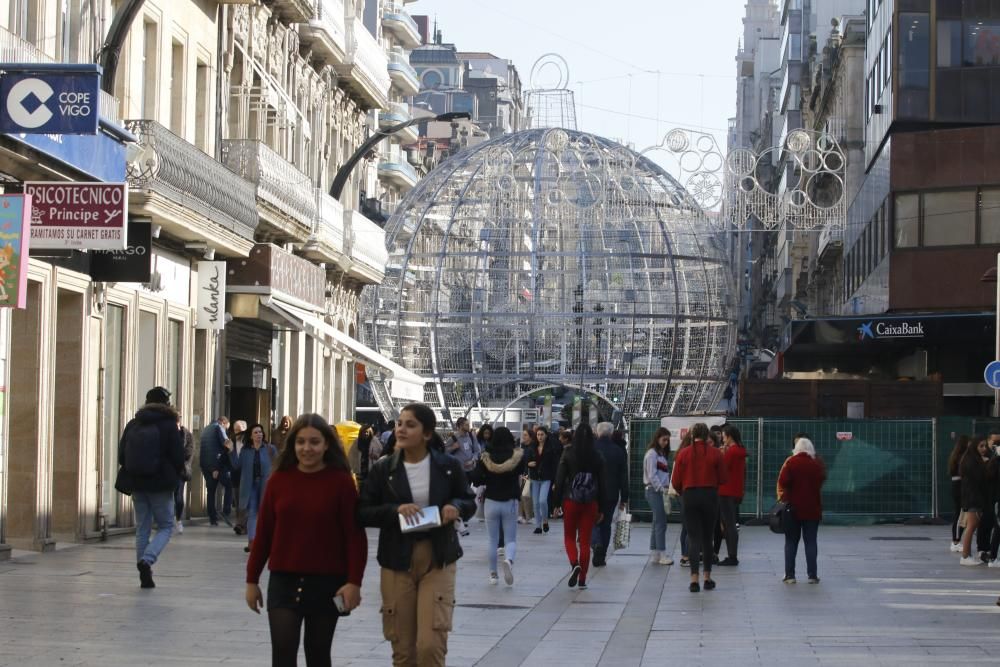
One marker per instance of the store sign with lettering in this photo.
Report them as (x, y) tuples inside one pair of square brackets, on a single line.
[(211, 295), (14, 232), (132, 265), (78, 216)]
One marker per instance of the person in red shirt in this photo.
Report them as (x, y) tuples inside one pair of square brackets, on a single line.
[(307, 530), (698, 473), (734, 457), (799, 484)]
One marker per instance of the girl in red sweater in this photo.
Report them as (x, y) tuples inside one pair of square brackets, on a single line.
[(317, 550)]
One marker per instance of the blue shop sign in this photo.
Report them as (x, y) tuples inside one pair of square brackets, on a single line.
[(49, 98), (101, 157)]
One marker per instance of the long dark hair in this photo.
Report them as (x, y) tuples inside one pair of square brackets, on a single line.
[(423, 414), (501, 446), (333, 457), (971, 455), (655, 442), (481, 433), (583, 445), (699, 432), (733, 433), (957, 452), (532, 440)]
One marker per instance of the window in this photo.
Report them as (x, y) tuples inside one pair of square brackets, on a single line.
[(914, 51), (145, 378), (907, 225), (202, 101), (177, 92), (989, 217), (150, 47), (982, 43), (114, 352), (175, 359), (949, 218), (949, 44)]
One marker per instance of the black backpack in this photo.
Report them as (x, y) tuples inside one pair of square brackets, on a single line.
[(143, 449), (583, 489)]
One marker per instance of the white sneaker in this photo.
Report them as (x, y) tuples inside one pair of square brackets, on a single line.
[(970, 560), (666, 560), (957, 548), (655, 556), (494, 579), (994, 563), (508, 571), (180, 527), (500, 553)]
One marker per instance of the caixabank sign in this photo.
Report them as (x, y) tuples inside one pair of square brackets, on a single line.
[(875, 329), (49, 98)]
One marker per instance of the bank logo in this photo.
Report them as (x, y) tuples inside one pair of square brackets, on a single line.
[(890, 330), (865, 331), (26, 103)]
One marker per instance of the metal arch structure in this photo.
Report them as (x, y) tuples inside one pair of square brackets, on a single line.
[(554, 257), (510, 403)]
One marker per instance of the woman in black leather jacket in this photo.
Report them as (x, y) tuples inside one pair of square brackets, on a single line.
[(418, 568)]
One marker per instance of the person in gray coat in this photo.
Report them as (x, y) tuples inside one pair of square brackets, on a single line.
[(253, 467), (615, 491)]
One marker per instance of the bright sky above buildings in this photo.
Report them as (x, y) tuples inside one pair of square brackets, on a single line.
[(614, 51)]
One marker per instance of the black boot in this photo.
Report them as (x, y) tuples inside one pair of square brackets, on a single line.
[(600, 555)]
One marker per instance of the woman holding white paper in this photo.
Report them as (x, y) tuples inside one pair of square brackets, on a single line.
[(418, 566)]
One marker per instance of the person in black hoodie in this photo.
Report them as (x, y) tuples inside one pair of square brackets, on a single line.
[(616, 474), (151, 460), (580, 482), (499, 468)]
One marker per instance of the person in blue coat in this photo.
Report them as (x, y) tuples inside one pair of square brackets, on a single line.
[(252, 467)]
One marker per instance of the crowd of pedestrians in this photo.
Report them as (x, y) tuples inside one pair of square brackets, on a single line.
[(974, 466)]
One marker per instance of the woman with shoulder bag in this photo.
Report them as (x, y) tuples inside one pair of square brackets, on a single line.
[(308, 535), (799, 485), (418, 568)]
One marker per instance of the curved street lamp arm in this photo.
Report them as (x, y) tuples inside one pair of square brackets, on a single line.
[(110, 51)]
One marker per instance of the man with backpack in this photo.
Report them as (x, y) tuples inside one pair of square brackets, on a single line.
[(215, 466), (151, 455)]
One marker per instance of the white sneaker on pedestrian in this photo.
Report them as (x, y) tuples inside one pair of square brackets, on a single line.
[(957, 547), (994, 563), (666, 560), (494, 579), (500, 553), (970, 560), (180, 527), (508, 571), (654, 556)]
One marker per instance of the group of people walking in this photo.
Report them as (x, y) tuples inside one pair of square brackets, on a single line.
[(974, 466)]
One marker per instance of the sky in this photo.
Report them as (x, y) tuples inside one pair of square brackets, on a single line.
[(638, 68)]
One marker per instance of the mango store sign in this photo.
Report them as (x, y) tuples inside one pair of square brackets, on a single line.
[(211, 295), (14, 230), (78, 216)]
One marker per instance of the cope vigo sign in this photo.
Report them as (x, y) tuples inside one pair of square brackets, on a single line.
[(42, 98)]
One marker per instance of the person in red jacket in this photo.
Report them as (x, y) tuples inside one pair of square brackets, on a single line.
[(799, 484), (734, 457), (698, 473), (317, 550)]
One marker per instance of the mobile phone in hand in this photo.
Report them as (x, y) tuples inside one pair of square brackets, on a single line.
[(338, 601)]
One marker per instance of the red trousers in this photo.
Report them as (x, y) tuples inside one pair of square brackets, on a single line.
[(578, 523)]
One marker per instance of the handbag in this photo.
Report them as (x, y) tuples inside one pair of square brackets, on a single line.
[(123, 482), (623, 530), (778, 517), (963, 519), (526, 489)]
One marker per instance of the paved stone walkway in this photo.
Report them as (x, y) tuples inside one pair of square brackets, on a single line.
[(889, 595)]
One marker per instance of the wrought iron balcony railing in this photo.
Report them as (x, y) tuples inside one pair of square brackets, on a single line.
[(172, 167), (277, 181)]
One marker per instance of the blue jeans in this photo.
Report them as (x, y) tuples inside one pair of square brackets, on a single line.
[(212, 488), (658, 536), (255, 495), (158, 506), (501, 513), (540, 500), (807, 530)]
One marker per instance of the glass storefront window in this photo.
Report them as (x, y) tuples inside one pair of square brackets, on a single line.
[(949, 43), (175, 359), (982, 43), (989, 217), (146, 359), (949, 218), (907, 221), (114, 350)]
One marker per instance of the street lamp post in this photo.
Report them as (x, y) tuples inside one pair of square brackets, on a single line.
[(340, 180)]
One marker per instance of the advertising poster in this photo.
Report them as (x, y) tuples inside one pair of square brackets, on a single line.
[(79, 216), (15, 212), (211, 295)]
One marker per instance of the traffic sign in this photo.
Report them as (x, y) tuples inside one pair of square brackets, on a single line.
[(992, 375), (47, 99)]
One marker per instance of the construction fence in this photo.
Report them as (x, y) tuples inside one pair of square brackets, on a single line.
[(878, 470)]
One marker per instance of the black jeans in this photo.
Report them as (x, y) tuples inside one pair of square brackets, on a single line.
[(956, 501), (727, 512), (987, 525), (701, 512), (212, 488), (807, 531), (602, 531), (179, 499)]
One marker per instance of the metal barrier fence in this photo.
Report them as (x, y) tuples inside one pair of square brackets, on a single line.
[(877, 470)]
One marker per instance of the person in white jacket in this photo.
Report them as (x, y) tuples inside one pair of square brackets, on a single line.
[(656, 478)]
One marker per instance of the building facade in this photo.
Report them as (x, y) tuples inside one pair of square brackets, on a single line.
[(228, 123)]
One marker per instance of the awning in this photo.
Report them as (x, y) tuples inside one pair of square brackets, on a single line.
[(404, 384)]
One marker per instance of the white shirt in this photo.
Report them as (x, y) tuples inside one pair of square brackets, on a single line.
[(419, 477)]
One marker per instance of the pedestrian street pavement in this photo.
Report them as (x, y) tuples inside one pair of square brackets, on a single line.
[(889, 595)]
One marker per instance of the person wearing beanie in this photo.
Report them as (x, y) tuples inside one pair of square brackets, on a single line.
[(799, 484)]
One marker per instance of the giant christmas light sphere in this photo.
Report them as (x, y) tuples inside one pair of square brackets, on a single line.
[(553, 258)]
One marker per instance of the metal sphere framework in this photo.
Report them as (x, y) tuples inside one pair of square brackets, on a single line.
[(554, 258)]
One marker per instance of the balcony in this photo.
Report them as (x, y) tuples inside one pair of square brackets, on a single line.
[(365, 73), (403, 76), (172, 175), (365, 245), (327, 241), (294, 11), (286, 200), (831, 246), (399, 112), (394, 168), (326, 33), (401, 24)]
